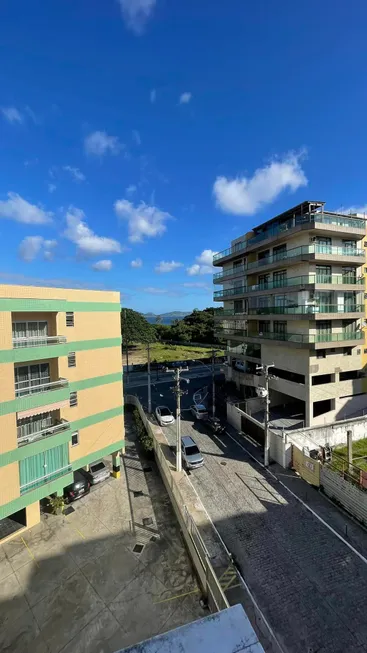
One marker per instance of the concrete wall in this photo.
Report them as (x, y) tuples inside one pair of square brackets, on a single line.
[(334, 434), (353, 499)]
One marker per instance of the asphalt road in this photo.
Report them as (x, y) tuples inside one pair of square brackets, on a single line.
[(310, 586)]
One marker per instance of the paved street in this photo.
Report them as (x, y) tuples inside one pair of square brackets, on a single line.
[(309, 584)]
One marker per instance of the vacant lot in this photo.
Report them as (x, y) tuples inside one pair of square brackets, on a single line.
[(359, 455), (161, 352)]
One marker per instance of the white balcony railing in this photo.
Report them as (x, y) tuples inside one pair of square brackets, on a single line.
[(34, 386), (38, 341), (44, 433)]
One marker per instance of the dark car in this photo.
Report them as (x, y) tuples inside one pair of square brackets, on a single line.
[(215, 425), (77, 489)]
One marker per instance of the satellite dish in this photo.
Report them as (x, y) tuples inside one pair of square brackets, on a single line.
[(261, 392)]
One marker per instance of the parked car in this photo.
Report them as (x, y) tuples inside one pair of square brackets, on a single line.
[(77, 489), (240, 366), (215, 424), (97, 473), (191, 455), (164, 416), (199, 411)]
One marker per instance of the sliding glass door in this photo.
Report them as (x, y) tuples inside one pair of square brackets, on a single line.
[(31, 378)]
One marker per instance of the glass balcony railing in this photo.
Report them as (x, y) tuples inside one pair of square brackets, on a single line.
[(306, 310), (37, 341), (232, 272), (228, 292), (34, 386), (238, 248), (310, 279), (307, 338), (26, 438), (295, 251)]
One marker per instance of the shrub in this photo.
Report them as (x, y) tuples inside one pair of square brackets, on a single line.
[(145, 440)]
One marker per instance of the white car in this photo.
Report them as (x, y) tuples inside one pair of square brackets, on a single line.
[(199, 411), (164, 416)]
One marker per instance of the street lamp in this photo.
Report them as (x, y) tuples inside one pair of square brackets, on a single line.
[(176, 389), (264, 392)]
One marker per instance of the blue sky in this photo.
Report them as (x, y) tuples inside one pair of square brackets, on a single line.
[(139, 136)]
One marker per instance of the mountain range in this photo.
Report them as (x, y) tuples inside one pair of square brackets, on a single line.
[(173, 314)]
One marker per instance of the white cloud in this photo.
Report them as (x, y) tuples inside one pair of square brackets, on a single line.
[(185, 97), (32, 246), (102, 266), (155, 291), (167, 266), (32, 115), (360, 210), (143, 220), (30, 162), (86, 240), (153, 95), (17, 209), (12, 115), (130, 190), (99, 143), (203, 265), (136, 136), (52, 188), (136, 13), (75, 173), (136, 263), (247, 195)]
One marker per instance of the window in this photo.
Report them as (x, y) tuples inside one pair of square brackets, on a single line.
[(73, 399), (69, 319), (323, 378), (75, 438), (280, 328), (238, 306), (323, 274), (321, 353), (349, 274), (349, 244), (264, 280), (365, 351), (324, 326), (31, 378), (71, 359), (264, 327), (347, 351), (279, 252), (280, 278)]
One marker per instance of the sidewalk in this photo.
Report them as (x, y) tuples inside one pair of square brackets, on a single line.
[(335, 517)]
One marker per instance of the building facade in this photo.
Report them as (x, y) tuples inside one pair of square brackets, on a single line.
[(293, 295), (61, 399)]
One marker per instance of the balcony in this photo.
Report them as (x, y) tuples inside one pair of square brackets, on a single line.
[(300, 338), (232, 272), (38, 347), (291, 282), (229, 292), (46, 478), (309, 310), (36, 386), (236, 249), (58, 426), (305, 252)]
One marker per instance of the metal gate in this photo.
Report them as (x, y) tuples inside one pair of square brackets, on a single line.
[(256, 431)]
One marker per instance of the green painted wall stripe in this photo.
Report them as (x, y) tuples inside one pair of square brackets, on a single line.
[(55, 305), (34, 401), (23, 354), (33, 448), (79, 424), (35, 495), (96, 381), (90, 458)]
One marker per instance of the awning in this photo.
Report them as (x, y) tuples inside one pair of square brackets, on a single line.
[(42, 409)]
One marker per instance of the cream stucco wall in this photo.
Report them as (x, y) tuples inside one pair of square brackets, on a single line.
[(92, 363), (94, 400), (90, 326), (9, 483), (97, 437), (8, 432), (70, 294)]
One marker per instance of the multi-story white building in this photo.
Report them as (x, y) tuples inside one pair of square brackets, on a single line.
[(293, 295)]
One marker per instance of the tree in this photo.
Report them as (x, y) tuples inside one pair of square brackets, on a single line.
[(135, 328), (158, 319)]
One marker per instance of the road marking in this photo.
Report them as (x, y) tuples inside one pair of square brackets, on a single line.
[(331, 529), (228, 577), (178, 596), (29, 551), (74, 528)]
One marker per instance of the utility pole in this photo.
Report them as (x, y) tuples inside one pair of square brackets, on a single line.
[(149, 381), (264, 369), (176, 389), (213, 381)]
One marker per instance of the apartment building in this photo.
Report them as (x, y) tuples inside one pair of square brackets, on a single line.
[(293, 295), (61, 399)]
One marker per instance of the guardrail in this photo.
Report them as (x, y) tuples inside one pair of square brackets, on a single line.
[(38, 341), (30, 387), (44, 433)]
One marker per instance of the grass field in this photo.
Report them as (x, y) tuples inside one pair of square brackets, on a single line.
[(161, 352), (359, 455)]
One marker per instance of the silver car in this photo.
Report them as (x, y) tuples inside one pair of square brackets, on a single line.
[(191, 455), (98, 472)]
